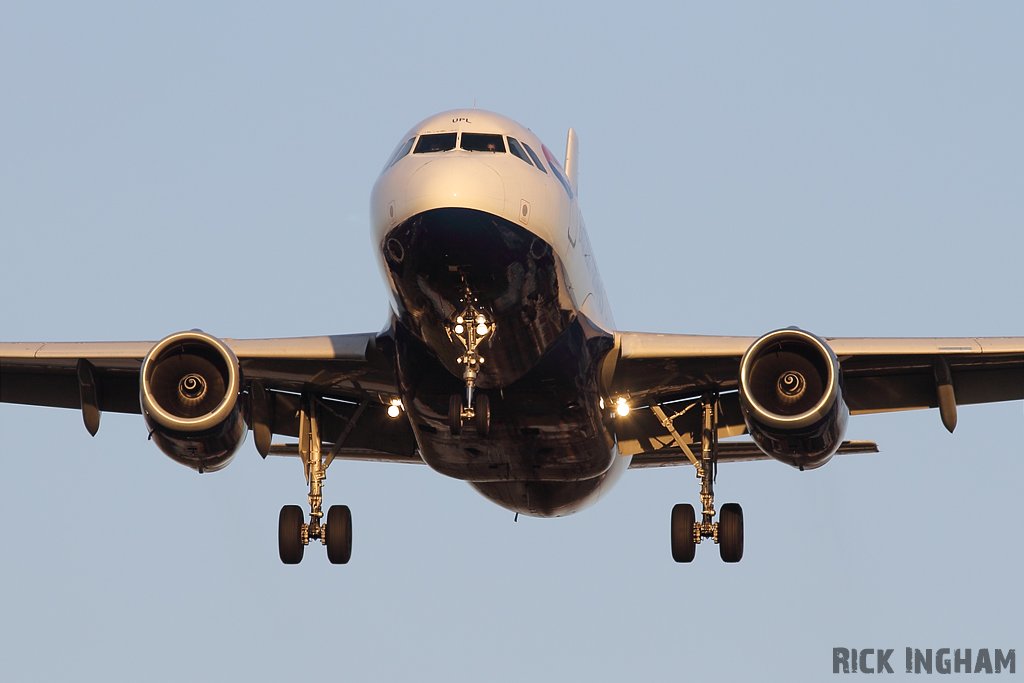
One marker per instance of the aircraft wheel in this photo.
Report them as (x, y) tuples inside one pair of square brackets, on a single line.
[(289, 534), (339, 534), (455, 414), (730, 532), (683, 544), (482, 412)]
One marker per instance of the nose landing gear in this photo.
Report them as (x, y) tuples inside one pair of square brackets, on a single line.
[(686, 531), (470, 328), (480, 414), (293, 535)]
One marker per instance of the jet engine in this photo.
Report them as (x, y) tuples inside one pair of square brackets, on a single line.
[(189, 387), (791, 395)]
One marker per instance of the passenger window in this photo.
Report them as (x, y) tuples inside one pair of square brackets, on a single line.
[(401, 153), (437, 142), (517, 149), (534, 157), (482, 142)]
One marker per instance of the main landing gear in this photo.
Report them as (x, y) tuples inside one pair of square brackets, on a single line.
[(293, 534), (727, 532), (470, 328)]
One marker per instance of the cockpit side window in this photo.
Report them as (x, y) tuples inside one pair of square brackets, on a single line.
[(436, 142), (517, 149), (401, 153), (553, 163), (533, 156), (483, 142)]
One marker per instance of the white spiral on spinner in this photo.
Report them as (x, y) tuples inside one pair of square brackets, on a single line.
[(191, 389), (791, 387)]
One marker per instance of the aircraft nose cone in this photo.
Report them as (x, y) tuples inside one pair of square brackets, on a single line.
[(458, 181)]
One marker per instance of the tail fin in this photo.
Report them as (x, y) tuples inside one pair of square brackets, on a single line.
[(572, 160)]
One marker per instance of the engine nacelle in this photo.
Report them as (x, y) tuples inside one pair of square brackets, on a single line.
[(189, 387), (791, 395)]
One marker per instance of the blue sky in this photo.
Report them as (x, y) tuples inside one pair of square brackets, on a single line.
[(854, 169)]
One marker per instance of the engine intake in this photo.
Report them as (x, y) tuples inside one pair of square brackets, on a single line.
[(189, 387), (791, 396)]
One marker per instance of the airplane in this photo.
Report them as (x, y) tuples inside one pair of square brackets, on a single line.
[(500, 364)]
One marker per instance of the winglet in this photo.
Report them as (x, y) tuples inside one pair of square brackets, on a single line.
[(572, 160)]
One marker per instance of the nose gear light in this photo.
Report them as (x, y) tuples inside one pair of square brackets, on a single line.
[(469, 328)]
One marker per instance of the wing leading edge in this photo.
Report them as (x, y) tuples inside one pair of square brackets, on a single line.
[(880, 375), (351, 376), (342, 366), (349, 371)]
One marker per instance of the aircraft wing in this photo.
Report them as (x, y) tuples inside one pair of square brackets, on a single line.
[(880, 375), (347, 372)]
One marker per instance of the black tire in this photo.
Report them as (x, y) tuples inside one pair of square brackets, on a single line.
[(730, 532), (455, 414), (339, 534), (683, 544), (289, 534), (482, 414)]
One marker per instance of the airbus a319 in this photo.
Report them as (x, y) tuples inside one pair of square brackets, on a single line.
[(501, 364)]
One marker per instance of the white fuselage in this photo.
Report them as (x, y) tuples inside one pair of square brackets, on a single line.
[(498, 183)]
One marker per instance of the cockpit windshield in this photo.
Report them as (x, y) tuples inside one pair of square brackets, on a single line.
[(483, 142), (437, 142)]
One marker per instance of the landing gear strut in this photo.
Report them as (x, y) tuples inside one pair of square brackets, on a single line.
[(293, 535), (470, 328), (686, 531)]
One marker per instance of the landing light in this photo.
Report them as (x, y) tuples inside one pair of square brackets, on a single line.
[(621, 407), (395, 409), (459, 328), (481, 329)]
